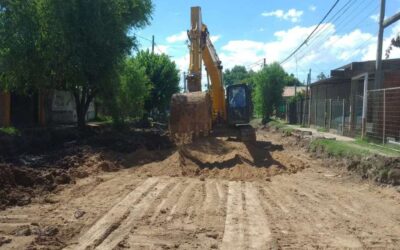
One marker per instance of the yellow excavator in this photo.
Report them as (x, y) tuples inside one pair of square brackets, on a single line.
[(195, 112)]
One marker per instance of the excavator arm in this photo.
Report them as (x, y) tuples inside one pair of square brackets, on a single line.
[(202, 50), (214, 70)]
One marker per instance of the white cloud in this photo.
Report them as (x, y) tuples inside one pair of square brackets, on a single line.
[(215, 38), (323, 53), (375, 17), (180, 37), (370, 53), (292, 15), (312, 8)]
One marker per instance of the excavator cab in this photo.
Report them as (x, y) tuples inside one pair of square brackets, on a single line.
[(239, 105)]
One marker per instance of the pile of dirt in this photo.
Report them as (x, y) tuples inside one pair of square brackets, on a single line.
[(379, 168), (18, 185), (36, 176), (222, 158)]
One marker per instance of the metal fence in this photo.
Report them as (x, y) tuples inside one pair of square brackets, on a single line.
[(345, 117), (331, 114), (383, 115)]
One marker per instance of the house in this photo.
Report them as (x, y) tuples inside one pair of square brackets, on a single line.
[(39, 109), (291, 91)]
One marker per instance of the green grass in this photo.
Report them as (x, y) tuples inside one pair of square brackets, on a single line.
[(10, 131), (282, 126), (349, 149), (322, 130)]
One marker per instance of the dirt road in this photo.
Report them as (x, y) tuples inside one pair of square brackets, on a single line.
[(296, 202)]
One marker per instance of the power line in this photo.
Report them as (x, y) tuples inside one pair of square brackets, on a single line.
[(309, 36), (330, 33)]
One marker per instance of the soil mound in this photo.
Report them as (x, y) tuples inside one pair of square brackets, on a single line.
[(221, 158), (34, 177)]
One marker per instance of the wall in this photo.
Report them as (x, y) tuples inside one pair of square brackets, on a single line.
[(63, 108)]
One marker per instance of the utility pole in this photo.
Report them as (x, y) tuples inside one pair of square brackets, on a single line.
[(378, 73), (152, 45), (184, 82), (308, 97), (383, 24), (265, 62)]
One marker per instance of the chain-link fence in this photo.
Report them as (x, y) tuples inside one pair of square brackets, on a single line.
[(383, 115), (345, 117)]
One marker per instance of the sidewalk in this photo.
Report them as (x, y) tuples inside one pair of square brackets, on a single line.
[(316, 133)]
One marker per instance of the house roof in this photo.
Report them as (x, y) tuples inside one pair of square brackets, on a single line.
[(290, 91), (348, 71)]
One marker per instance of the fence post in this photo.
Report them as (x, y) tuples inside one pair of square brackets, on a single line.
[(309, 112), (315, 113), (384, 116), (343, 116), (325, 113), (365, 106), (330, 114)]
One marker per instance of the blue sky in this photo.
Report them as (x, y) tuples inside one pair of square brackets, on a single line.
[(244, 32)]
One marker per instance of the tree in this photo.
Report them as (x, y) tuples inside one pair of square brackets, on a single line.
[(22, 65), (269, 85), (78, 45), (164, 78), (238, 74), (395, 42), (132, 92), (291, 80), (321, 76)]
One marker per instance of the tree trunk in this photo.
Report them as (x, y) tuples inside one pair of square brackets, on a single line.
[(82, 102)]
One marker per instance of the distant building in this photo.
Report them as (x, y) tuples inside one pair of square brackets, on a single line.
[(39, 109), (291, 91)]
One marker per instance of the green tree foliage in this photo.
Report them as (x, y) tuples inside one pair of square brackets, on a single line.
[(321, 76), (164, 79), (22, 65), (269, 85), (76, 45), (291, 80), (132, 92), (238, 74)]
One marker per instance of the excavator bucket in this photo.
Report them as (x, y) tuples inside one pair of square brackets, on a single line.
[(190, 115)]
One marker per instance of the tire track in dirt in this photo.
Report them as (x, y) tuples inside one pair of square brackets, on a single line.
[(213, 209), (163, 207), (282, 230), (179, 210), (136, 213), (159, 232), (258, 232), (246, 226), (113, 218), (183, 226), (234, 228)]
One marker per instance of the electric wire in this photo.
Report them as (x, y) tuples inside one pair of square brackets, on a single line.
[(310, 35)]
